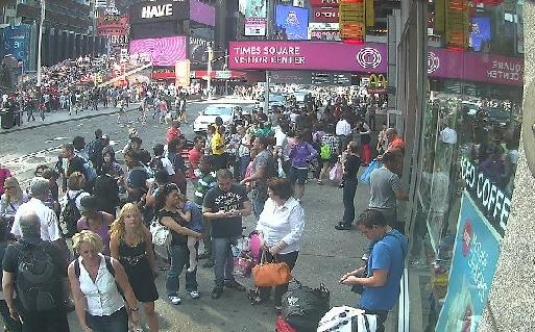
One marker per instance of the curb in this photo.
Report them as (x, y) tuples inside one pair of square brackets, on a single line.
[(46, 124)]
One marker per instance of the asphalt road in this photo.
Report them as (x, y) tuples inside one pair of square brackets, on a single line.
[(324, 256)]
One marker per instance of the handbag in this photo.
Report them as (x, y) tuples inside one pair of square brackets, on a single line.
[(271, 274), (243, 266), (160, 234), (365, 177), (336, 173)]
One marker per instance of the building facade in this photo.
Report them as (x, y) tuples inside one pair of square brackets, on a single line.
[(68, 32), (459, 84)]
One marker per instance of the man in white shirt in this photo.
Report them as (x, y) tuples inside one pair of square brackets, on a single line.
[(344, 132), (49, 222)]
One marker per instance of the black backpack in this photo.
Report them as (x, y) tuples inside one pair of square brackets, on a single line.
[(303, 307), (70, 216), (36, 279)]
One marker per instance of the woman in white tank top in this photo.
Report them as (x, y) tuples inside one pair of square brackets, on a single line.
[(95, 281)]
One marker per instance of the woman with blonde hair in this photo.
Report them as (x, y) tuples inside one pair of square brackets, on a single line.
[(95, 281), (131, 244), (12, 198)]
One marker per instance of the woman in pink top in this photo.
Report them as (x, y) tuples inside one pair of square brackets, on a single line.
[(96, 221), (4, 174)]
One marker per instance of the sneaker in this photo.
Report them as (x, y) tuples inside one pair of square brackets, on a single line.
[(175, 299), (342, 227), (216, 292), (194, 294), (235, 285)]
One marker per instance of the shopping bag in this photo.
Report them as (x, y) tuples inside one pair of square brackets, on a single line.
[(271, 274), (365, 177), (336, 173), (243, 266)]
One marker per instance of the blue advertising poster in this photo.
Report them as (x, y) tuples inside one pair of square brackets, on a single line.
[(293, 22), (481, 33), (16, 41), (477, 248)]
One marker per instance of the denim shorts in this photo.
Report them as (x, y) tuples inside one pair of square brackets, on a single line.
[(298, 175)]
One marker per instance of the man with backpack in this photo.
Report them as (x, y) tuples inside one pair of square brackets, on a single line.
[(265, 168), (94, 150), (35, 269), (76, 162), (328, 153)]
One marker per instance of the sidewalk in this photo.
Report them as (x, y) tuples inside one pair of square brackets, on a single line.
[(61, 116)]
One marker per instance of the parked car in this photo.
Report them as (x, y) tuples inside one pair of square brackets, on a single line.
[(206, 117), (277, 101)]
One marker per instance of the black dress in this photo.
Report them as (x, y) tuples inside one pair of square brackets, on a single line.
[(140, 276)]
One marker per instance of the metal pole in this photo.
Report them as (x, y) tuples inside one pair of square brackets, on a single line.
[(268, 30), (226, 68), (40, 41), (209, 71)]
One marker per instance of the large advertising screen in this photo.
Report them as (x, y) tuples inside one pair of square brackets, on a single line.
[(164, 52), (159, 11), (475, 258), (481, 33), (292, 21), (274, 55), (202, 13)]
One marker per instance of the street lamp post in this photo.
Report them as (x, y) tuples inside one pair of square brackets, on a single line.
[(209, 71), (40, 41)]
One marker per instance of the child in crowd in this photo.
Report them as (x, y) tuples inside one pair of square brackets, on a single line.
[(193, 216)]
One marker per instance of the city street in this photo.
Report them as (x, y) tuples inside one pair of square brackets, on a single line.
[(325, 255)]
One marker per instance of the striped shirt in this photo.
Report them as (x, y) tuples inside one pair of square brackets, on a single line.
[(205, 183)]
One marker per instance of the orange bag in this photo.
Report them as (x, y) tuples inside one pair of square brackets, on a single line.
[(271, 274)]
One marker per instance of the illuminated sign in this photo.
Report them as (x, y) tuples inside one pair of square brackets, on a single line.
[(157, 11)]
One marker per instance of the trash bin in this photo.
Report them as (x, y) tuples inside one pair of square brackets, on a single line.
[(7, 120)]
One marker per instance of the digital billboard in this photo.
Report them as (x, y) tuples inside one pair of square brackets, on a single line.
[(164, 52), (256, 9), (481, 33), (293, 21), (202, 13)]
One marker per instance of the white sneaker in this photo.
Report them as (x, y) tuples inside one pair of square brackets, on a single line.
[(175, 299), (194, 294)]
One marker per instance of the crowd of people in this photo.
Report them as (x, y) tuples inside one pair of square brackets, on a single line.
[(85, 221)]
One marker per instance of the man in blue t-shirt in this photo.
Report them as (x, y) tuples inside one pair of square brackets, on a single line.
[(381, 277)]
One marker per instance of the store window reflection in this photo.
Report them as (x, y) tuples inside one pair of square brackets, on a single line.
[(469, 141)]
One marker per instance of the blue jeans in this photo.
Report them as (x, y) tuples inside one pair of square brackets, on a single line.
[(244, 162), (116, 322), (223, 260), (179, 255)]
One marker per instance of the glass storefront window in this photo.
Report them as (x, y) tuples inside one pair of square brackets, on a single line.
[(468, 143), (477, 26)]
